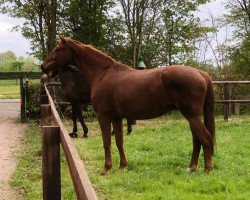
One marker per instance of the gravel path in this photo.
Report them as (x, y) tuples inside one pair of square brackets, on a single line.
[(10, 133)]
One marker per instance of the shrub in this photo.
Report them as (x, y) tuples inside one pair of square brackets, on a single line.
[(33, 100), (33, 103)]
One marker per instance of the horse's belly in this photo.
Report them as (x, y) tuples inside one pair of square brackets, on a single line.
[(145, 110)]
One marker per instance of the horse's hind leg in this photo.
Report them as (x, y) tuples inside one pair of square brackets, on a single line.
[(79, 115), (200, 137), (129, 126), (117, 125), (195, 155), (105, 125)]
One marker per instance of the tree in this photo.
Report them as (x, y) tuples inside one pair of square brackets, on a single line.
[(181, 30), (40, 22), (85, 20), (162, 31), (9, 62), (6, 59), (239, 17), (134, 14)]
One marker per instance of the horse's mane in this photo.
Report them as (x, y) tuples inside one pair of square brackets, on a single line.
[(95, 53), (92, 49)]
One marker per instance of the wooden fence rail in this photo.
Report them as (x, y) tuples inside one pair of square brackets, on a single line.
[(226, 96), (226, 101), (53, 134)]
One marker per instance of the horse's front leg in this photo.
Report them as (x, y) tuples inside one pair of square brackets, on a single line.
[(105, 125), (80, 117), (129, 126), (74, 120), (117, 125)]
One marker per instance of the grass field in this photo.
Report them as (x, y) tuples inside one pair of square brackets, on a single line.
[(158, 153), (10, 92), (10, 89)]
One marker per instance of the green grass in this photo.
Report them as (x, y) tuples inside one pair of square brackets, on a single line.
[(158, 153), (9, 82), (10, 89), (27, 178), (9, 92)]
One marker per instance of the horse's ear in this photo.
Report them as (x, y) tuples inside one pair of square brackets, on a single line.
[(62, 39)]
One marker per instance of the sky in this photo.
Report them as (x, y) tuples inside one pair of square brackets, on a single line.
[(14, 41), (216, 9)]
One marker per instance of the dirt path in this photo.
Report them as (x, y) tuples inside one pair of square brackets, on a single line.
[(10, 133)]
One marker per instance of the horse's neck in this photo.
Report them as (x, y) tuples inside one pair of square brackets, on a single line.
[(91, 63)]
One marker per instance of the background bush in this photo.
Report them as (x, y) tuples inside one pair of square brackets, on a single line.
[(33, 103), (33, 100)]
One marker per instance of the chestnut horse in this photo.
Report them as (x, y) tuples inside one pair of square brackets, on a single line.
[(77, 92), (118, 91)]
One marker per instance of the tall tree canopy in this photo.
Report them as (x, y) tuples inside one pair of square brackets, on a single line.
[(239, 18), (161, 31), (40, 22)]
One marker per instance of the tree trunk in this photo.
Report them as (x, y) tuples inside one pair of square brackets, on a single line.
[(52, 25), (41, 29)]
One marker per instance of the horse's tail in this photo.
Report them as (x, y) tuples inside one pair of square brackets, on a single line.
[(208, 109)]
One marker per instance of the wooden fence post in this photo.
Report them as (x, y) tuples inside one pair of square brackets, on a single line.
[(237, 109), (51, 163), (46, 117), (22, 100), (226, 97)]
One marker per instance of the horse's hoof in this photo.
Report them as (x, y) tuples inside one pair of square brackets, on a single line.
[(104, 172), (191, 169), (73, 135), (128, 133), (85, 131), (85, 136), (207, 170), (122, 168)]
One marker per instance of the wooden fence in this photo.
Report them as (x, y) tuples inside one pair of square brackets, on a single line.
[(53, 134), (16, 75), (226, 101), (23, 77)]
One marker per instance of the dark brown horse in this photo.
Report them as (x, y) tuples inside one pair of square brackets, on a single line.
[(118, 91), (77, 92)]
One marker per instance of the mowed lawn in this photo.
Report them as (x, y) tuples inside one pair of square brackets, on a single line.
[(158, 153), (9, 89)]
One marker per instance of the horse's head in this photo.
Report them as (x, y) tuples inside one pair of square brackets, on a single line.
[(58, 59)]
